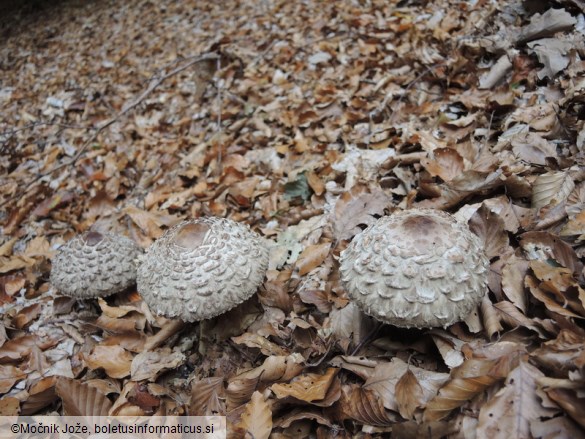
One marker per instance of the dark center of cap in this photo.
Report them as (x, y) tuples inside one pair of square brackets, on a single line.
[(191, 235), (93, 238), (419, 224)]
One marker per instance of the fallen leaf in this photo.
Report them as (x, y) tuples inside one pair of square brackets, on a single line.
[(256, 419), (310, 387), (115, 360), (357, 207), (409, 395)]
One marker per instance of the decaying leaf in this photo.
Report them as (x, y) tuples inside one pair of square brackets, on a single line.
[(257, 417), (82, 400), (309, 388), (359, 206), (513, 409), (115, 360)]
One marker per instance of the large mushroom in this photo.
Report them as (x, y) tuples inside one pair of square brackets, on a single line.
[(416, 268), (95, 265), (202, 268)]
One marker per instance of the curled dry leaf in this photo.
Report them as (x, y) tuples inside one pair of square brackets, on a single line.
[(310, 387), (239, 391), (276, 368), (257, 341), (570, 402), (256, 420), (468, 381)]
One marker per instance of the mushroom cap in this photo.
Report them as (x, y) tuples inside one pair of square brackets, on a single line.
[(202, 268), (416, 268), (95, 264)]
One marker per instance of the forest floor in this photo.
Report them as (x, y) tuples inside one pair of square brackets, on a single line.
[(307, 121)]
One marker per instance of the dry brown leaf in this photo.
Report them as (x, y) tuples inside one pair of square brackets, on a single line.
[(386, 375), (276, 368), (207, 397), (239, 391), (26, 315), (82, 400), (449, 347), (513, 275), (446, 163), (257, 341), (40, 395), (563, 353), (511, 411), (147, 365), (357, 207), (558, 427), (311, 257), (9, 406), (363, 405), (490, 229), (257, 417), (115, 360), (310, 387), (551, 188), (150, 223), (570, 402), (514, 317), (575, 226), (490, 318), (409, 395), (469, 380), (544, 245), (532, 284), (9, 375), (18, 348), (350, 322)]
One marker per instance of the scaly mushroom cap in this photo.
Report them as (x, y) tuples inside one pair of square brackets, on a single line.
[(95, 265), (416, 268), (202, 268)]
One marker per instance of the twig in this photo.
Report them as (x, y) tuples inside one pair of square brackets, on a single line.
[(154, 84)]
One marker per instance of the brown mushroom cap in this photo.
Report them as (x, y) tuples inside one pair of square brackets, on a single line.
[(416, 268), (95, 265), (202, 268)]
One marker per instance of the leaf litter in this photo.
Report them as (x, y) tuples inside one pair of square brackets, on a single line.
[(307, 121)]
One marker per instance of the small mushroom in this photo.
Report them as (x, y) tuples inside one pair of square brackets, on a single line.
[(202, 268), (95, 265), (417, 268)]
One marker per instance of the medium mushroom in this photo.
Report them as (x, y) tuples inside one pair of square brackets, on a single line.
[(95, 265), (202, 268), (416, 268)]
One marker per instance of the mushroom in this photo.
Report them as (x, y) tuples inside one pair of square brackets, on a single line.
[(416, 268), (95, 265), (202, 268)]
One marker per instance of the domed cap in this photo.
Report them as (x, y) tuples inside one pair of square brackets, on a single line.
[(202, 268), (95, 265), (417, 268)]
